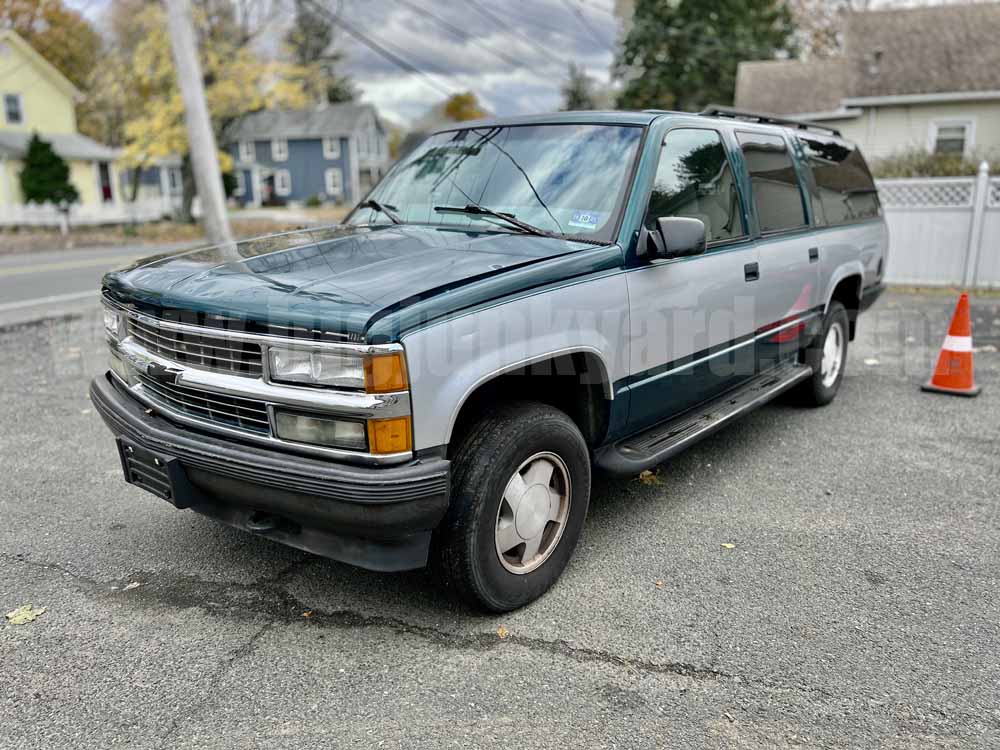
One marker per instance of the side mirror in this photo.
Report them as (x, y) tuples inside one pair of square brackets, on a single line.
[(674, 237)]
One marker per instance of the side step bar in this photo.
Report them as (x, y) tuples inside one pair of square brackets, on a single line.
[(655, 445)]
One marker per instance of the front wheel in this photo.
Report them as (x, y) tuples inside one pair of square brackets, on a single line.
[(827, 355), (520, 491)]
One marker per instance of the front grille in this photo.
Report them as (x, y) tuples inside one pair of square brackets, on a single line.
[(226, 411), (201, 350)]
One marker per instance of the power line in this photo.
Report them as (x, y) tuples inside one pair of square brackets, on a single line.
[(575, 10), (461, 33), (380, 49), (506, 25)]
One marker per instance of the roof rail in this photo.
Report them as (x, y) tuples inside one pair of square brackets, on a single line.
[(764, 118)]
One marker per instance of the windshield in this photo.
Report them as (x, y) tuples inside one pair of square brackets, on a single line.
[(564, 179)]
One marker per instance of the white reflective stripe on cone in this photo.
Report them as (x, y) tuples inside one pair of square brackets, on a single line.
[(958, 343)]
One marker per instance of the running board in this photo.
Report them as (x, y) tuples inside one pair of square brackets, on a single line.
[(659, 442)]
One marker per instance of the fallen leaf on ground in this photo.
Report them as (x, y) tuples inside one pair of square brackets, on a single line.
[(133, 585), (649, 477), (307, 613), (871, 361), (502, 632), (659, 584), (24, 614), (727, 545)]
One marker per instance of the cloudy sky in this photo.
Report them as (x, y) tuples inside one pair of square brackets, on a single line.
[(513, 53)]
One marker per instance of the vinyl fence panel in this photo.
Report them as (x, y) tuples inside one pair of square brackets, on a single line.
[(943, 231)]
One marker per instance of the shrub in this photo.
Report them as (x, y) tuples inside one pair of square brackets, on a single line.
[(314, 201), (45, 176), (921, 163)]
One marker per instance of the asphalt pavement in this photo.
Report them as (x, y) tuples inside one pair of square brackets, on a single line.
[(53, 283), (859, 606)]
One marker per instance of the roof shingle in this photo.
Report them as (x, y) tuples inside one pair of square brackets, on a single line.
[(331, 120), (940, 49)]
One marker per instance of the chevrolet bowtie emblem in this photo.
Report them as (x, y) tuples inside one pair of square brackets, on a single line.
[(161, 373)]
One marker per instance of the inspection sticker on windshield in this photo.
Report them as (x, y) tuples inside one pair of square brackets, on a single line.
[(585, 219)]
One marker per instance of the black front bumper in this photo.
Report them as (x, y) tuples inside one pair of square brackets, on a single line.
[(376, 518)]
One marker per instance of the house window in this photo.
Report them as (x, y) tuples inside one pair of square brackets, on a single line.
[(246, 151), (12, 108), (334, 182), (331, 148), (282, 182), (953, 138), (279, 149), (241, 183)]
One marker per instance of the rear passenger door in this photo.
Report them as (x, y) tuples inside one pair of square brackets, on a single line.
[(787, 292), (691, 320), (845, 202)]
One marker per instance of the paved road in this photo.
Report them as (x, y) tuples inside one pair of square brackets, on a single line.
[(37, 284), (859, 608)]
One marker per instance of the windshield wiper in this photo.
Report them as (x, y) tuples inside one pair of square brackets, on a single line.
[(382, 207), (476, 210)]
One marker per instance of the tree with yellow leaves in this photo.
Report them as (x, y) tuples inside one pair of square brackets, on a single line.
[(237, 81)]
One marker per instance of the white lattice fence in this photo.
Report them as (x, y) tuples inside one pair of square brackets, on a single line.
[(927, 193), (943, 231), (994, 201)]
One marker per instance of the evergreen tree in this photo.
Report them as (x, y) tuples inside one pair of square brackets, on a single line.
[(45, 176), (682, 54), (578, 90), (310, 41)]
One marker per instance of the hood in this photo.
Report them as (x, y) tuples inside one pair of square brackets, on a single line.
[(337, 280)]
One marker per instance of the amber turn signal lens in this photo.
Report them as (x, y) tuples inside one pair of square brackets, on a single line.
[(389, 435), (385, 373)]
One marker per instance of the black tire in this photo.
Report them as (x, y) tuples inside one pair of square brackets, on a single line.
[(493, 449), (813, 391)]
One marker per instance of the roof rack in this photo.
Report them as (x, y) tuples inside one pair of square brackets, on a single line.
[(764, 118)]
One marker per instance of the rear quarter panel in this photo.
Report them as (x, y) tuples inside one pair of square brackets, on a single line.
[(853, 249)]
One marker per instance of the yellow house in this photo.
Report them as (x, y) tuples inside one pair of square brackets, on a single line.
[(36, 97)]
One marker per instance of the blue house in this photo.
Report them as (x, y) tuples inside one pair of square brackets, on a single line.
[(334, 152)]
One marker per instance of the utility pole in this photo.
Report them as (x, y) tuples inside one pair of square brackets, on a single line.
[(201, 140)]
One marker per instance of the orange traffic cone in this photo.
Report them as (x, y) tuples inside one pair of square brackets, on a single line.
[(953, 373)]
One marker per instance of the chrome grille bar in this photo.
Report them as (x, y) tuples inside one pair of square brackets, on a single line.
[(241, 413), (198, 349)]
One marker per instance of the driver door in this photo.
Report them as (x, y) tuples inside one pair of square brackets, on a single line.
[(692, 318)]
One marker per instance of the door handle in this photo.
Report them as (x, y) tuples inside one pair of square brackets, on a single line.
[(813, 254), (751, 271)]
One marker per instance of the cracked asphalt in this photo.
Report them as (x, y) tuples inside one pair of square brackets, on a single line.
[(860, 606)]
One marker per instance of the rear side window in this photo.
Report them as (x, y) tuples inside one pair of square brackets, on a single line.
[(694, 179), (775, 184), (844, 190)]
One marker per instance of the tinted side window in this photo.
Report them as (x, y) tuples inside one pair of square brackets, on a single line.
[(694, 179), (774, 181), (844, 190)]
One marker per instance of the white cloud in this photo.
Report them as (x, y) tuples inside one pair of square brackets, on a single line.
[(514, 68)]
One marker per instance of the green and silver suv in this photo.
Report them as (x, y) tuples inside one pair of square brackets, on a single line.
[(517, 302)]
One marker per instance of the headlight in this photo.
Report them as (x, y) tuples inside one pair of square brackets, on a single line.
[(316, 367), (335, 433), (377, 373), (114, 325)]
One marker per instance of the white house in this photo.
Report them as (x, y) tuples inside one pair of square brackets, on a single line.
[(925, 78)]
